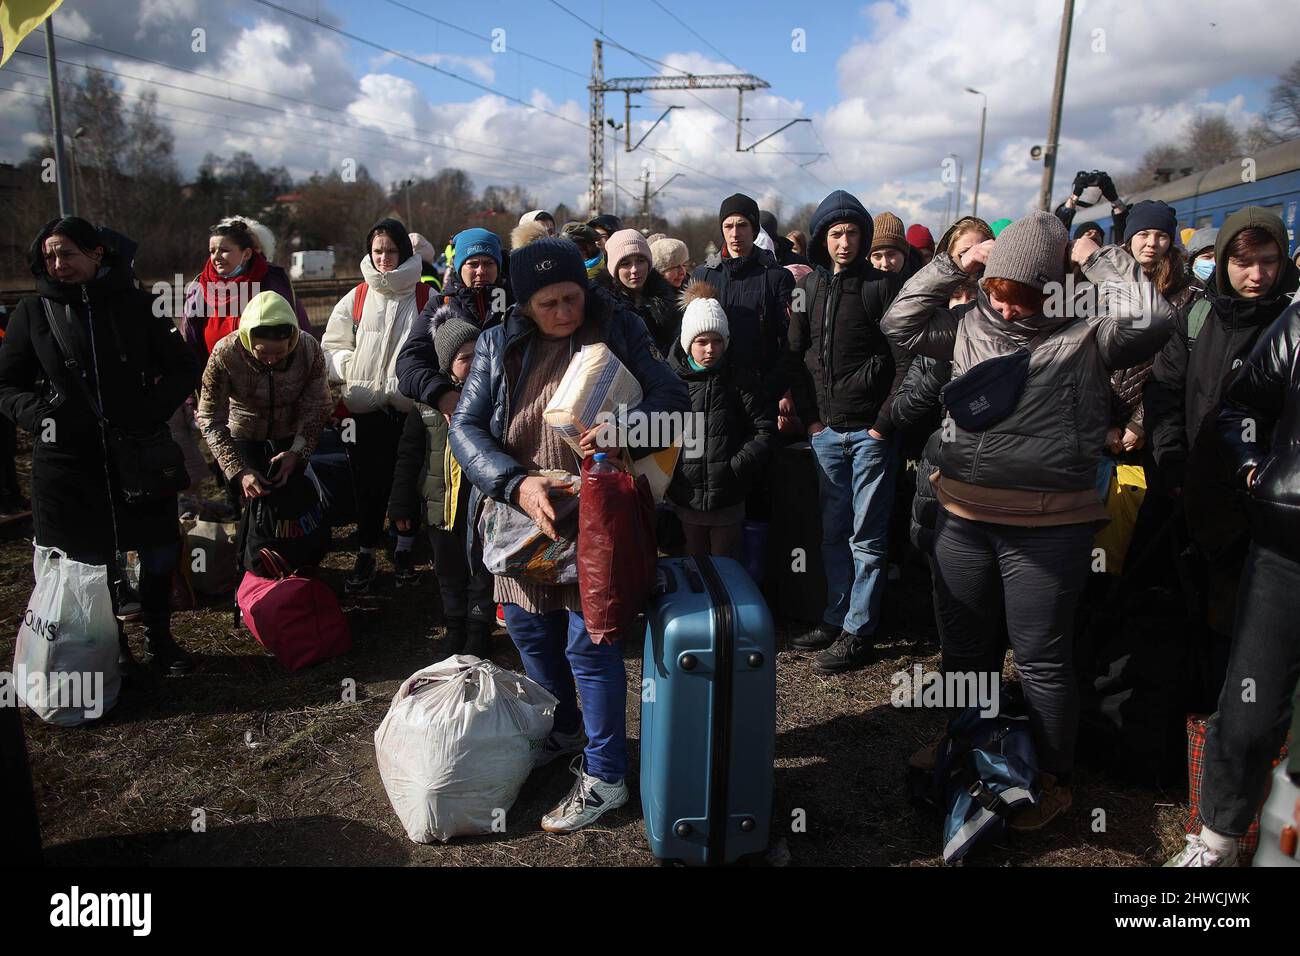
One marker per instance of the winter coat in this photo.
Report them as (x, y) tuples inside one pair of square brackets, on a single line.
[(1054, 436), (915, 404), (418, 377), (424, 472), (362, 357), (657, 306), (1263, 405), (244, 400), (1186, 388), (196, 321), (754, 292), (138, 364), (849, 369), (739, 427), (501, 362)]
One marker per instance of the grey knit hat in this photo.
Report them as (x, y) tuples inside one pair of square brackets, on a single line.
[(1030, 250), (448, 339)]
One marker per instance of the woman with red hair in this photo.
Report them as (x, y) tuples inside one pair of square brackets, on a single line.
[(1029, 406)]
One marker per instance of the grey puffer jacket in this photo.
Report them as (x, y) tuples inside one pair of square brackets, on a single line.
[(1052, 440)]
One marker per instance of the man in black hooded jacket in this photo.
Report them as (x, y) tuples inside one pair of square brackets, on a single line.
[(842, 388)]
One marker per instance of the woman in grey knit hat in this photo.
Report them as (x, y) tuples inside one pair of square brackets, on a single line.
[(1018, 498)]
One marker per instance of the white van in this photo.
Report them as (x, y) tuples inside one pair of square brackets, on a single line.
[(314, 264)]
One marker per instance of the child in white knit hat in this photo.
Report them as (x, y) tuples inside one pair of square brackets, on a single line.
[(709, 488)]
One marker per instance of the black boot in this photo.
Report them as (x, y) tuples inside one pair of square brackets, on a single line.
[(480, 639), (155, 613), (823, 635), (165, 653), (848, 653), (455, 637)]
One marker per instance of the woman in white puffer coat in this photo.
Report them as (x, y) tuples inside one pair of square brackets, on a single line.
[(365, 332)]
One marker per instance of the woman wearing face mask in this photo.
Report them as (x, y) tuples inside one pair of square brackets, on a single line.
[(1200, 256), (1017, 489), (136, 373), (362, 340), (235, 272), (643, 290), (265, 400)]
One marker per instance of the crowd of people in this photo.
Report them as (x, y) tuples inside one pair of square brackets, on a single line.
[(860, 336)]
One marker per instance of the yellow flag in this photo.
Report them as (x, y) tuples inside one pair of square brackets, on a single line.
[(19, 18)]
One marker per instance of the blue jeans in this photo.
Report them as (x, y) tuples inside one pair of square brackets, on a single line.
[(855, 478), (557, 651)]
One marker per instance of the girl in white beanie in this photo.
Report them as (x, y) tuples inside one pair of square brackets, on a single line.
[(729, 434)]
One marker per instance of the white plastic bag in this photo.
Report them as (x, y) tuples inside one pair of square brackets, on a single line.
[(65, 662), (457, 744)]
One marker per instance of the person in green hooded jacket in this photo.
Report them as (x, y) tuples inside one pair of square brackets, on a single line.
[(265, 399)]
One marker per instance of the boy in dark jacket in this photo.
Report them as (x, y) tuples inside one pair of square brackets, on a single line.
[(429, 485), (708, 490)]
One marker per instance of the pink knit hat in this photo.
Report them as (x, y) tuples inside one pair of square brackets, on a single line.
[(624, 243)]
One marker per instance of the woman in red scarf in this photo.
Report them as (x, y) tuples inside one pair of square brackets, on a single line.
[(234, 273)]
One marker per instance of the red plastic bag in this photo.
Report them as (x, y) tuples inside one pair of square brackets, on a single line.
[(616, 550)]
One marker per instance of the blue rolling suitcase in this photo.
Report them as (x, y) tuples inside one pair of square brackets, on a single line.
[(708, 713)]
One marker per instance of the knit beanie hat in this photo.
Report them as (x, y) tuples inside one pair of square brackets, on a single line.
[(668, 253), (889, 233), (624, 243), (475, 242), (918, 237), (997, 225), (393, 230), (545, 262), (1030, 250), (1151, 214), (703, 313), (738, 204), (767, 222), (1083, 227), (449, 337)]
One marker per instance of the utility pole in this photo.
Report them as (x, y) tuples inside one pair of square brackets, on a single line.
[(597, 132), (979, 163), (1058, 97), (740, 82), (56, 117)]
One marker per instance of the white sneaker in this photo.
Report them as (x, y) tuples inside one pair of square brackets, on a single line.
[(589, 798), (1198, 853)]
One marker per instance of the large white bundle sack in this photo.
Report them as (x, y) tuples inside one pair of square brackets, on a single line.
[(458, 743)]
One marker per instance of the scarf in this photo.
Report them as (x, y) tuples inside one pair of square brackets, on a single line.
[(223, 298)]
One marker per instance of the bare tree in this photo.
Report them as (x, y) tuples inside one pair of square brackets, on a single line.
[(1283, 115), (1211, 140)]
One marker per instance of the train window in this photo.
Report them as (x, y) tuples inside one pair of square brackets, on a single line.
[(1204, 221)]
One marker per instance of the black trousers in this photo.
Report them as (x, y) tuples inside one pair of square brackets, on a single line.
[(465, 592), (8, 459), (373, 456), (1033, 576), (1247, 731)]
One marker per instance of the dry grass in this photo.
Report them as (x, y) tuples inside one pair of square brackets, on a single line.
[(283, 769)]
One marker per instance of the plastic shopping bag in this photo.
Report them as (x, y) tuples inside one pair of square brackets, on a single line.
[(616, 549), (65, 661), (458, 743), (514, 546)]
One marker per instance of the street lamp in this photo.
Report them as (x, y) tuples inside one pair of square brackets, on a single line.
[(984, 113), (72, 148)]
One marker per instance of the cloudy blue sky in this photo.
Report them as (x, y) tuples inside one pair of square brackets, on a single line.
[(882, 83)]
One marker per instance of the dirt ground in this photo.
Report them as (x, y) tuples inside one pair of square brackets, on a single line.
[(281, 769)]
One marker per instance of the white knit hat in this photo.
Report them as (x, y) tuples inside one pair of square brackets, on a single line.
[(703, 314)]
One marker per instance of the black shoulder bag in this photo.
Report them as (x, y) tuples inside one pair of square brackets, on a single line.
[(149, 465), (989, 391)]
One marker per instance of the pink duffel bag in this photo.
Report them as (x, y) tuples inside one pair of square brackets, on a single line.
[(295, 618)]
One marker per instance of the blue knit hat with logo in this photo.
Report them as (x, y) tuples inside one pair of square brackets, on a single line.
[(475, 242), (545, 262)]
